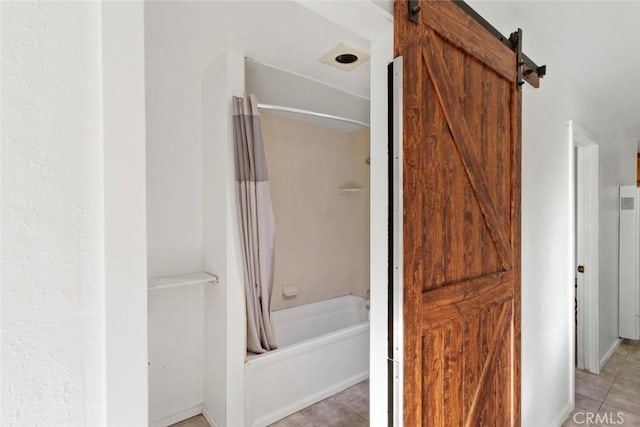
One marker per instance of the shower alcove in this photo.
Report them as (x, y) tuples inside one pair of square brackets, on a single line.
[(198, 56)]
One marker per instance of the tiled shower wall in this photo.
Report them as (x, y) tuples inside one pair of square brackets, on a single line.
[(319, 180)]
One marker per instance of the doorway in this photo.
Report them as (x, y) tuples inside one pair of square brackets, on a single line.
[(586, 154), (196, 353)]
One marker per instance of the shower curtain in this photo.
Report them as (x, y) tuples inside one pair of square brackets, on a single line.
[(257, 228)]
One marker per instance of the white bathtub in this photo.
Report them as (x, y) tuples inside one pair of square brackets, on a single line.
[(323, 349)]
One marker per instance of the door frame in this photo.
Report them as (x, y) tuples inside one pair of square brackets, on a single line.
[(396, 276), (129, 391), (374, 24), (586, 245)]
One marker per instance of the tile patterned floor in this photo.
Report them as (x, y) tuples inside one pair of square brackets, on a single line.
[(349, 408), (615, 390), (197, 421)]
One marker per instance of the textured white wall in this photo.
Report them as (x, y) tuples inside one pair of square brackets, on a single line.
[(547, 241), (52, 293), (69, 355), (52, 242)]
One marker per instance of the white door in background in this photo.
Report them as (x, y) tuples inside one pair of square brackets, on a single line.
[(629, 284), (587, 247)]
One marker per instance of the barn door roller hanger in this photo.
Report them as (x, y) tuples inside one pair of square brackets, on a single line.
[(527, 71)]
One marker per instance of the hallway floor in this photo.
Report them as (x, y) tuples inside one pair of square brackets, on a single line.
[(615, 390), (197, 421), (349, 408)]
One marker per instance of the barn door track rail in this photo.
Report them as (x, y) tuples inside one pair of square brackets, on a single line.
[(528, 71)]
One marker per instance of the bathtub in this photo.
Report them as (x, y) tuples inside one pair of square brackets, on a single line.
[(323, 349)]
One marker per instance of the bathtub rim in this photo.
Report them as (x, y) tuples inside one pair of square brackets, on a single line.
[(306, 345), (349, 302), (322, 306)]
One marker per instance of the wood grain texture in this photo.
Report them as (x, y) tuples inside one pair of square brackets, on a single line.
[(454, 115), (461, 30), (414, 249), (445, 304), (489, 369), (530, 76), (461, 212)]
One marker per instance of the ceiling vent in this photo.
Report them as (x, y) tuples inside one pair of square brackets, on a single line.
[(345, 57)]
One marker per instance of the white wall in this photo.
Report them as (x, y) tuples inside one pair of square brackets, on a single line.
[(174, 227), (124, 212), (215, 155), (547, 270), (63, 279), (52, 229), (617, 167), (225, 322), (174, 168), (176, 352), (381, 55)]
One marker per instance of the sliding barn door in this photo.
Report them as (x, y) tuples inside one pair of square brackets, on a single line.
[(461, 220)]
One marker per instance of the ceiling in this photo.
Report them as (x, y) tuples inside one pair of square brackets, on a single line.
[(280, 33), (598, 40)]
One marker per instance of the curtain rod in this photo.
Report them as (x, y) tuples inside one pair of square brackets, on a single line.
[(312, 113)]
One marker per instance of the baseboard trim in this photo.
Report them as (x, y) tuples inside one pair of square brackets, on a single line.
[(610, 352), (177, 417), (564, 414), (207, 416)]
